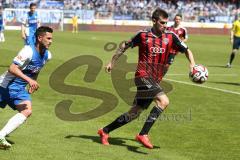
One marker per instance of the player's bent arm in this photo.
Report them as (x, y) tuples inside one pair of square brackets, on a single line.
[(184, 49), (190, 58), (15, 70), (122, 48)]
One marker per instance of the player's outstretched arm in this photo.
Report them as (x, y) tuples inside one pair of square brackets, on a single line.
[(122, 48), (190, 58), (23, 28), (15, 70)]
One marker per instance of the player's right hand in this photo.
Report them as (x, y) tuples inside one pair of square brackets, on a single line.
[(31, 90), (108, 67), (33, 86)]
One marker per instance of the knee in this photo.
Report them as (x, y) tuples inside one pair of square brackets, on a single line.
[(164, 103), (234, 51), (27, 112)]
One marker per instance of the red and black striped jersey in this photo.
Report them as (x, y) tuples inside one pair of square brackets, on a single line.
[(154, 56), (180, 31)]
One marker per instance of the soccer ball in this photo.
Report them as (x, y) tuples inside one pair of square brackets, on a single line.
[(199, 74)]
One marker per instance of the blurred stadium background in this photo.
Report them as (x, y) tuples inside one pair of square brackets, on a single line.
[(118, 13)]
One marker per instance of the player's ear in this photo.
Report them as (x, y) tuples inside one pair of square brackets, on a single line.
[(154, 21), (40, 38)]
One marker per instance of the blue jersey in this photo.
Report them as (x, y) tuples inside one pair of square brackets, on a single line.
[(30, 62), (1, 22), (12, 88), (31, 22)]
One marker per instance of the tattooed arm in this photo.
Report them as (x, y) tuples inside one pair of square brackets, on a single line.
[(122, 48)]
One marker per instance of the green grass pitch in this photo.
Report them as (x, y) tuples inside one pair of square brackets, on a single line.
[(201, 122)]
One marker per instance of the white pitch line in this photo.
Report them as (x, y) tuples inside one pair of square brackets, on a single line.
[(180, 74), (199, 85)]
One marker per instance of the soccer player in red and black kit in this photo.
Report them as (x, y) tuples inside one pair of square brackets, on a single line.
[(153, 62), (178, 30)]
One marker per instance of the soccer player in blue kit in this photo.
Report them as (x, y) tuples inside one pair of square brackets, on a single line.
[(30, 25), (2, 38), (22, 72)]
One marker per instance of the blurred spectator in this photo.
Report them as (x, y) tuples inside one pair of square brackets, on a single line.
[(192, 10), (43, 4)]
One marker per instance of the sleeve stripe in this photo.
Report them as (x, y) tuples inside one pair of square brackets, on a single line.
[(17, 63)]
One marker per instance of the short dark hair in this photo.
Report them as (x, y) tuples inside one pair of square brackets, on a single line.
[(42, 30), (178, 15), (159, 13), (32, 5)]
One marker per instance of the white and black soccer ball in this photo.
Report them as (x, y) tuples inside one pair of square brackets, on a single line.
[(199, 74)]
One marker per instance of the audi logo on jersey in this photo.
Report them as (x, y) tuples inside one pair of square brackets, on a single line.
[(157, 50)]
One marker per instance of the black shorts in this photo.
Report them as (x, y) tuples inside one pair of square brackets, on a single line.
[(236, 42), (147, 89)]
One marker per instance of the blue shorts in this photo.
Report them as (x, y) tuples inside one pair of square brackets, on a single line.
[(236, 42), (13, 97)]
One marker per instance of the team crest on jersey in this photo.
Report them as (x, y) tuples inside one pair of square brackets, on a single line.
[(165, 41), (20, 58)]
